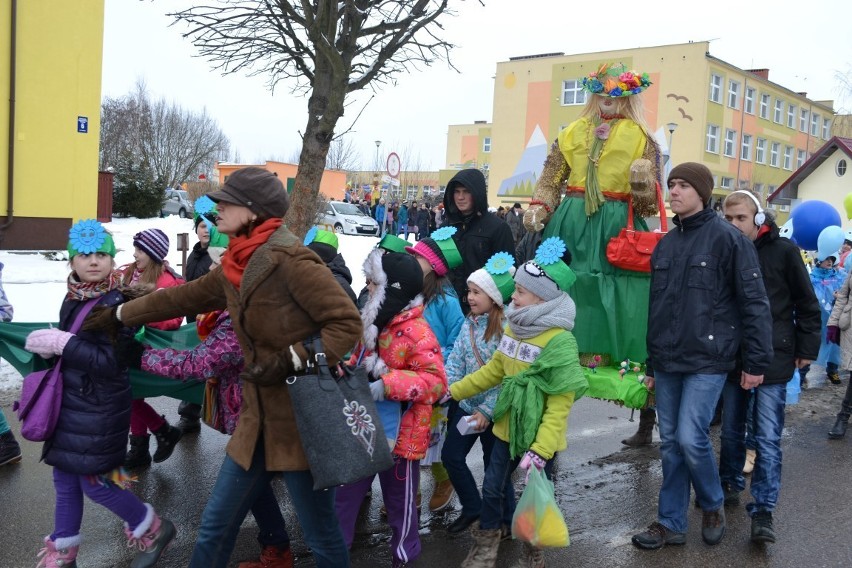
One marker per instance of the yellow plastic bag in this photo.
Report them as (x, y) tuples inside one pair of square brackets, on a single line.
[(538, 519)]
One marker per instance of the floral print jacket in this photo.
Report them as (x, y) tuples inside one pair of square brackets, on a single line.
[(409, 362)]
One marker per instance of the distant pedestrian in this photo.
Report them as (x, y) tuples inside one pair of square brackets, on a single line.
[(10, 450), (515, 220), (423, 221), (402, 218)]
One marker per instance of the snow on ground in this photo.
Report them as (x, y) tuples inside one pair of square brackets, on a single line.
[(36, 285)]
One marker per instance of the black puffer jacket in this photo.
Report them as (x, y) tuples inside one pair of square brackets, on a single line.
[(707, 294), (198, 263), (480, 235), (796, 319), (334, 260), (91, 434)]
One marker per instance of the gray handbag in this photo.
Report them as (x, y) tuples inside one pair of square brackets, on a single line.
[(336, 416)]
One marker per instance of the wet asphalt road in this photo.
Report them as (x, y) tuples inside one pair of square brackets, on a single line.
[(606, 493)]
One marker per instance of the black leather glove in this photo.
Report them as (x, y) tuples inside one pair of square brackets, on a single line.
[(128, 352)]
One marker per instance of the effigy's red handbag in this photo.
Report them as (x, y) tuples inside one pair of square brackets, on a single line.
[(631, 249)]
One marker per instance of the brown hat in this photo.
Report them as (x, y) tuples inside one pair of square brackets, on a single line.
[(258, 189), (698, 176)]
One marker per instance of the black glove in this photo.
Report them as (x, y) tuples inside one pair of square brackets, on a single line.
[(128, 352)]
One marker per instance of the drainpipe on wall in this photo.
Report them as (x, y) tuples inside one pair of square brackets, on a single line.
[(10, 169)]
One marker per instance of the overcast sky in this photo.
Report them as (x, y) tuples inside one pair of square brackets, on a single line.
[(803, 49)]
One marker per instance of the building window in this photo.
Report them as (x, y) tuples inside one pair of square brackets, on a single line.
[(573, 93), (486, 144), (826, 128), (773, 154), (716, 88), (764, 106), (771, 189), (713, 138), (727, 182), (749, 100), (779, 110), (788, 157), (758, 188), (815, 124), (791, 116), (734, 94), (745, 152), (840, 168), (730, 143), (760, 154), (801, 156), (803, 120)]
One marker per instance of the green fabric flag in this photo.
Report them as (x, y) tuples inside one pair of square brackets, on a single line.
[(606, 383), (144, 385)]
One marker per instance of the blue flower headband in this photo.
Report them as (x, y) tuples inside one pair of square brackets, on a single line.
[(88, 236)]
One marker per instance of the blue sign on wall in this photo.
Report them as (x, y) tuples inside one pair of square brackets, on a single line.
[(83, 124)]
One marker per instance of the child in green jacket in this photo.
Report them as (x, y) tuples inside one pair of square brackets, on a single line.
[(538, 365)]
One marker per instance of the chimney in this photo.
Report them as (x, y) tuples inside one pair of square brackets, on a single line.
[(762, 73), (480, 122), (803, 93)]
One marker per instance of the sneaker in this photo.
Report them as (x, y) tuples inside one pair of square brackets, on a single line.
[(657, 536), (761, 527), (834, 377), (10, 450), (152, 544), (441, 496), (732, 496), (748, 467), (713, 526), (271, 557)]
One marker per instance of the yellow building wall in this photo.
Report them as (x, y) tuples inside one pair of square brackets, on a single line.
[(59, 60), (825, 185), (464, 145)]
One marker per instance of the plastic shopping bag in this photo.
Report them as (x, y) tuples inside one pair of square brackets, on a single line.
[(538, 519)]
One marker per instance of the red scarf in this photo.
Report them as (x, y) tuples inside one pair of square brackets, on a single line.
[(242, 247)]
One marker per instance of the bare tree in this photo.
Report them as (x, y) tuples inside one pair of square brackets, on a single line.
[(325, 49), (342, 155), (178, 144)]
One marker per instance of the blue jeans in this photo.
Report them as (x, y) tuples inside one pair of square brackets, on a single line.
[(768, 422), (235, 492), (685, 406), (454, 457)]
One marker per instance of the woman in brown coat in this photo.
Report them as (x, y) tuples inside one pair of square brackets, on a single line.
[(279, 293)]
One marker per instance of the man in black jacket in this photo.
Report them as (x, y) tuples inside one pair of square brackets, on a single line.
[(480, 234), (707, 295), (796, 326)]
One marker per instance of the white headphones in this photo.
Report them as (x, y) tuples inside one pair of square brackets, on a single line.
[(760, 216)]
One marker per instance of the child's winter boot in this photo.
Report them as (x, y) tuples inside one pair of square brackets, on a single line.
[(150, 541), (10, 450), (167, 438), (271, 557), (138, 455), (61, 553), (533, 557), (484, 551)]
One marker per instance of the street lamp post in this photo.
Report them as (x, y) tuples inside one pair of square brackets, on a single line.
[(672, 126), (376, 176)]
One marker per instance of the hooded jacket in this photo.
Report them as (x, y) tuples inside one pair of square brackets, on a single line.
[(707, 294), (479, 235)]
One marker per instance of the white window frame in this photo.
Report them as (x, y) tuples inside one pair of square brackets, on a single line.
[(801, 158), (574, 89), (774, 151), (788, 158), (746, 147), (803, 119), (712, 139), (791, 116), (826, 128), (749, 100), (727, 182), (815, 124), (486, 144), (734, 94), (729, 148), (764, 105), (760, 151), (716, 88), (758, 188), (778, 112)]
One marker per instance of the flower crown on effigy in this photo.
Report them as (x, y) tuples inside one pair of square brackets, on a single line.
[(615, 80)]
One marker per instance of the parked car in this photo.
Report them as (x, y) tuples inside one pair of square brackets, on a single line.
[(176, 203), (347, 219)]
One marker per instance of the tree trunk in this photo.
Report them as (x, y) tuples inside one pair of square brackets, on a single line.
[(325, 108)]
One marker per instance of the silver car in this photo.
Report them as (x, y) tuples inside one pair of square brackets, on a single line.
[(346, 219), (176, 203)]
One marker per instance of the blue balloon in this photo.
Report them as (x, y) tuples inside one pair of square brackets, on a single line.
[(809, 219), (829, 241)]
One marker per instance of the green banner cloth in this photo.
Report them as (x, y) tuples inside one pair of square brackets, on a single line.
[(606, 383), (144, 385)]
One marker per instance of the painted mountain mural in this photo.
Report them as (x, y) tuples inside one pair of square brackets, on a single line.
[(522, 181)]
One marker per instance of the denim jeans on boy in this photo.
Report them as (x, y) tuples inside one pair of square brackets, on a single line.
[(234, 493), (685, 406), (454, 457), (769, 403)]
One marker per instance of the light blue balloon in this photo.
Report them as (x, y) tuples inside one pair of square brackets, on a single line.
[(829, 241)]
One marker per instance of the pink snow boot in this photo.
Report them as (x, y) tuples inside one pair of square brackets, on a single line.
[(152, 541), (53, 557)]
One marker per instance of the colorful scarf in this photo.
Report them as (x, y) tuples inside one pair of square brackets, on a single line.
[(81, 291), (241, 248)]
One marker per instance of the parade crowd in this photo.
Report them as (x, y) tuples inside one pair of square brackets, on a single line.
[(485, 329)]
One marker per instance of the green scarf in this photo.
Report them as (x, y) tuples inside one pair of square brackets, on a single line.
[(522, 395)]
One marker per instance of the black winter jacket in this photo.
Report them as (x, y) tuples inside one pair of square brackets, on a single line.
[(796, 318), (707, 294), (480, 235), (91, 433), (197, 263)]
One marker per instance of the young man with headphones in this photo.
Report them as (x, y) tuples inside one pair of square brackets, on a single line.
[(795, 342)]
